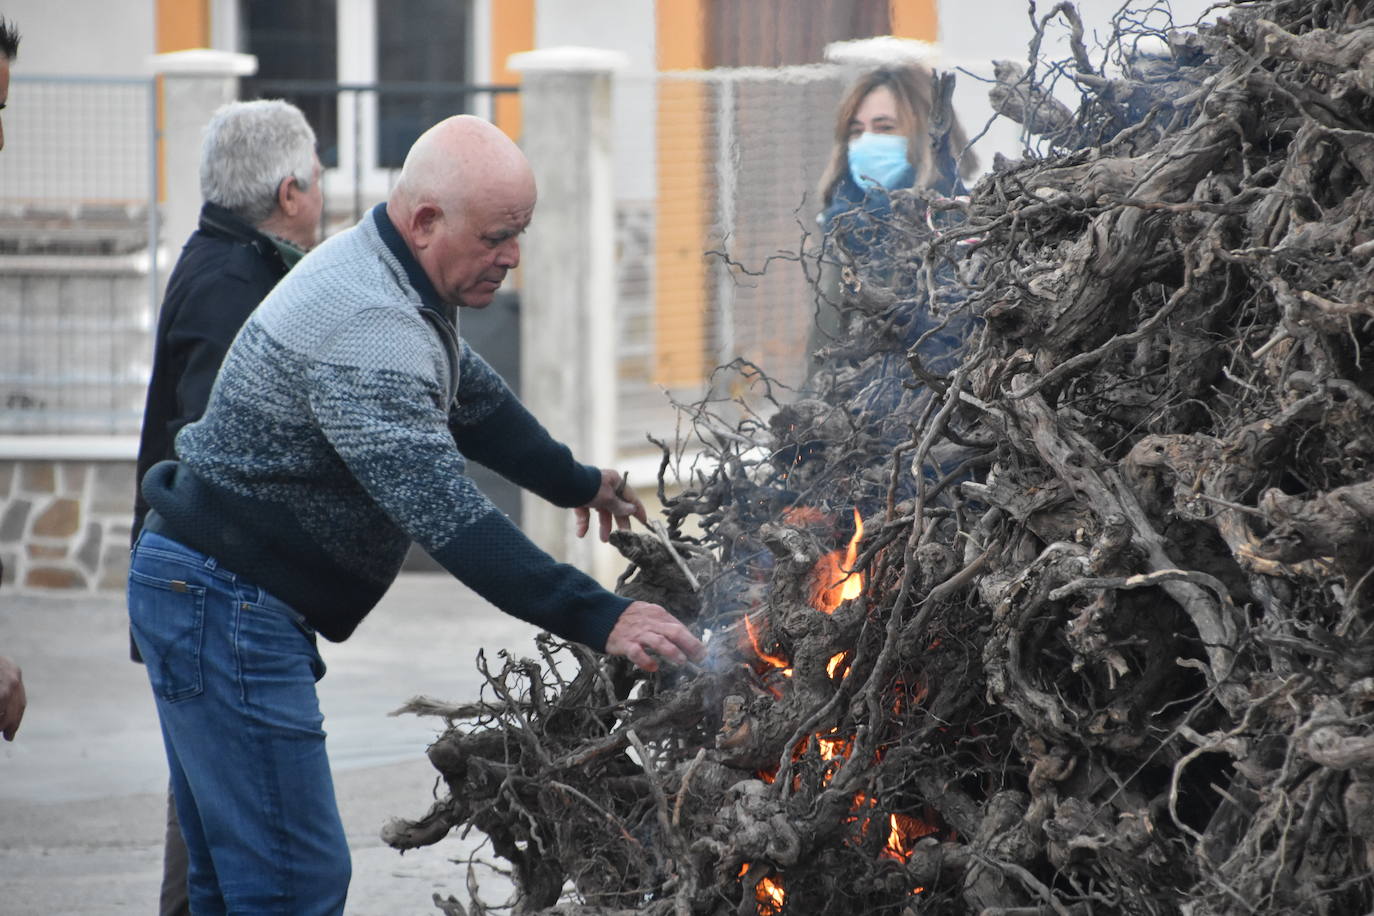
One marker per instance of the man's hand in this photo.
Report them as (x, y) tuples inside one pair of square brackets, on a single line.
[(646, 632), (615, 500), (12, 700)]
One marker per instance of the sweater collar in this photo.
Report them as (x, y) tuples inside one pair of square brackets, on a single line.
[(429, 296)]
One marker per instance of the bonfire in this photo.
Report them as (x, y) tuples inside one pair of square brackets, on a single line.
[(1084, 624)]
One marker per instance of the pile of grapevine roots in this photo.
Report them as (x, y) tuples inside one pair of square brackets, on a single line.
[(1083, 623)]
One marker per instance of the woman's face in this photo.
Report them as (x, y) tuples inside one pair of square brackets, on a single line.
[(877, 114)]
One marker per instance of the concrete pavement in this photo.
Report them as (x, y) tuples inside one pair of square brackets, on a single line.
[(82, 787)]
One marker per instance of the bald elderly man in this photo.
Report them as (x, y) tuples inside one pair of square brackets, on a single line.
[(335, 435)]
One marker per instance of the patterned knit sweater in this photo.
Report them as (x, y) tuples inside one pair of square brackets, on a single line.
[(336, 434)]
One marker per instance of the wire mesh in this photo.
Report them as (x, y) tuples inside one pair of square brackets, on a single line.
[(709, 270), (77, 294)]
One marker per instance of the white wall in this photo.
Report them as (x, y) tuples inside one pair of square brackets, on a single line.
[(83, 37), (627, 27), (972, 34)]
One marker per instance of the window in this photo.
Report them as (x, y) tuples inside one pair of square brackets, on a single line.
[(418, 41), (415, 53), (296, 40), (773, 33)]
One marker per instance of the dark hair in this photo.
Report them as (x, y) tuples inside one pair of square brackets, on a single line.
[(9, 39), (912, 87)]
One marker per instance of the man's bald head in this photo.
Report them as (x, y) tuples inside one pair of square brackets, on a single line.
[(454, 157), (465, 194)]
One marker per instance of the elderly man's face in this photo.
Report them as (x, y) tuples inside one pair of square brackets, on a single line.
[(309, 205), (471, 252)]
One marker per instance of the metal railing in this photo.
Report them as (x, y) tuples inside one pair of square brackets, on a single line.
[(365, 129)]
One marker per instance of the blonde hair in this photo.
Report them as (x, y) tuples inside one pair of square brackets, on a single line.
[(913, 88)]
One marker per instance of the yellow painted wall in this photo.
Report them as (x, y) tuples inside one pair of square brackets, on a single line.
[(916, 19), (512, 31), (681, 305), (181, 26)]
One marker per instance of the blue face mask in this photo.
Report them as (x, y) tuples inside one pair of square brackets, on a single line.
[(879, 160)]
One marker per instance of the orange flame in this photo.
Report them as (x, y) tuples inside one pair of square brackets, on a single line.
[(777, 661), (903, 833), (836, 661), (768, 893), (831, 748), (770, 896), (834, 580), (909, 694)]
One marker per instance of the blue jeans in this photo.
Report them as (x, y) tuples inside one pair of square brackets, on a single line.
[(233, 671)]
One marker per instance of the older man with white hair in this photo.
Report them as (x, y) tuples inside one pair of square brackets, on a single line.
[(335, 435), (260, 180)]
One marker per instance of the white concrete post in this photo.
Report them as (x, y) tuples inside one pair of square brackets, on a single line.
[(568, 296), (194, 84), (860, 54)]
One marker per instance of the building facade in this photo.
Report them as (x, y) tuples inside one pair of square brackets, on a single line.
[(722, 120)]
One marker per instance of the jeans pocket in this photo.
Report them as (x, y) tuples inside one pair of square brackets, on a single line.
[(168, 620), (274, 639)]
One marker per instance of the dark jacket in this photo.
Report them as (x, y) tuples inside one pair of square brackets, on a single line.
[(864, 231), (871, 231), (226, 268)]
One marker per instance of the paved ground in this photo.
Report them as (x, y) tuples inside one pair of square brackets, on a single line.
[(82, 787)]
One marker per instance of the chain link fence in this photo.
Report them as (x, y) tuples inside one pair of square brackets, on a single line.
[(78, 287), (709, 274), (707, 267)]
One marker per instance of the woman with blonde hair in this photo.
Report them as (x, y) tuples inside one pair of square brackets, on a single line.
[(883, 141), (889, 157)]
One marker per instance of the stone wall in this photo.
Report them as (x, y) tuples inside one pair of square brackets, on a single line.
[(65, 524)]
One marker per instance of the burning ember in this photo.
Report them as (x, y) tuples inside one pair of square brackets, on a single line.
[(838, 662), (834, 580), (768, 894), (832, 748), (903, 833), (802, 516), (777, 661)]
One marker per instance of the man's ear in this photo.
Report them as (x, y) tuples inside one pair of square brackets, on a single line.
[(424, 223), (287, 193)]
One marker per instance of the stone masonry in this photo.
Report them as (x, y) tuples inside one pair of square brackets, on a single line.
[(65, 524)]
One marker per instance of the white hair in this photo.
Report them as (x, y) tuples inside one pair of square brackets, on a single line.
[(249, 147)]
